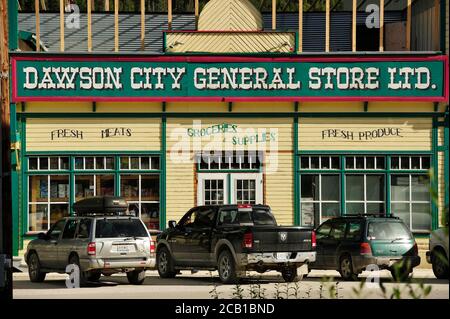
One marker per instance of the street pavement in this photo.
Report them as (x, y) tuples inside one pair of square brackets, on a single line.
[(206, 285)]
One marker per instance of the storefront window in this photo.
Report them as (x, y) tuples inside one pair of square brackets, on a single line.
[(365, 194), (93, 185), (411, 200)]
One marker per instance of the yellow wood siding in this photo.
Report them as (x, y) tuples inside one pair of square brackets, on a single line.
[(145, 134), (216, 42), (263, 107), (230, 15), (415, 132), (55, 107), (197, 107), (280, 189)]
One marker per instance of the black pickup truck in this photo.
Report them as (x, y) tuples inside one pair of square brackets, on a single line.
[(233, 239)]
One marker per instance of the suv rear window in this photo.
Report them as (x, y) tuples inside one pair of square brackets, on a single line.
[(115, 228), (387, 230), (256, 217)]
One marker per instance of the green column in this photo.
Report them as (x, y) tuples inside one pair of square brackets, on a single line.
[(15, 168), (297, 217), (13, 33)]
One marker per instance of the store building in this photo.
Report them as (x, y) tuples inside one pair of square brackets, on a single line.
[(233, 113)]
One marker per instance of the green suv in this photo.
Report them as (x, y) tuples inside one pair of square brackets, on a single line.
[(350, 244)]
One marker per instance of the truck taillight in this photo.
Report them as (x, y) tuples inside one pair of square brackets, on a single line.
[(248, 240), (313, 239), (152, 246), (416, 249), (91, 249), (365, 249)]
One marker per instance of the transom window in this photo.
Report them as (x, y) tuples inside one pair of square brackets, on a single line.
[(410, 162), (320, 162), (44, 163), (229, 160), (94, 163), (139, 163), (365, 162)]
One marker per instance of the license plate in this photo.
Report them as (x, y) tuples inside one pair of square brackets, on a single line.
[(123, 249), (282, 256)]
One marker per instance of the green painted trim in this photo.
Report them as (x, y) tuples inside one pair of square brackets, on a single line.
[(163, 178), (446, 163), (117, 176), (71, 185), (297, 217), (24, 187), (14, 180), (352, 171), (13, 32), (435, 168), (230, 188), (237, 115), (387, 191), (93, 153), (343, 188)]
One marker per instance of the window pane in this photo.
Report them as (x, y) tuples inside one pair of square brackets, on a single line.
[(59, 188), (315, 162), (375, 187), (421, 217), (310, 212), (64, 162), (304, 162), (105, 185), (32, 163), (58, 211), (330, 210), (125, 163), (420, 188), (150, 188), (84, 186), (381, 163), (400, 187), (330, 187), (338, 231), (355, 208), (69, 229), (370, 162), (404, 162), (79, 163), (335, 163), (38, 217), (323, 231), (155, 163), (310, 187), (354, 187), (354, 231), (129, 187), (426, 162), (375, 208), (99, 163), (401, 210), (110, 163), (89, 162), (350, 162), (395, 163), (415, 162), (360, 163), (325, 161), (54, 163), (145, 163), (38, 188), (43, 163), (135, 163), (150, 215)]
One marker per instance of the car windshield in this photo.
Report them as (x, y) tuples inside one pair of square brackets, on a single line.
[(386, 230), (115, 228)]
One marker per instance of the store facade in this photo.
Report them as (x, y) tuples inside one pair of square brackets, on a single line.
[(314, 137)]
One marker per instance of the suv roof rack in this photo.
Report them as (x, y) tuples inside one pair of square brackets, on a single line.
[(381, 215), (100, 206)]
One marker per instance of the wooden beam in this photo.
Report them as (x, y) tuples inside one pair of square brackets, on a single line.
[(106, 5), (142, 25), (354, 13), (408, 25), (38, 25), (197, 13), (116, 25), (300, 26), (169, 14), (327, 26), (381, 46), (61, 25), (89, 24), (274, 14), (436, 26)]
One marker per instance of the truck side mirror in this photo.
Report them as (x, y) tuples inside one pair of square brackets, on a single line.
[(172, 224)]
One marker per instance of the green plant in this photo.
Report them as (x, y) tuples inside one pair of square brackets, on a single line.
[(213, 292), (238, 292)]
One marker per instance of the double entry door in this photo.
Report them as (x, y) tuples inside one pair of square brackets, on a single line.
[(229, 188)]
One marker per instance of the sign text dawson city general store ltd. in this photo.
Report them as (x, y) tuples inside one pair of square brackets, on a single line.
[(46, 78)]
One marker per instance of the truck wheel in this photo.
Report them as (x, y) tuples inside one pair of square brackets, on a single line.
[(34, 269), (136, 277), (290, 274), (94, 276), (74, 260), (227, 268), (440, 264), (165, 264), (346, 268)]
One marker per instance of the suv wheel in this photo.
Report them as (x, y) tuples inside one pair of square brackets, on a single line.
[(440, 264), (165, 264), (290, 274), (136, 277), (227, 268), (94, 276), (346, 268), (34, 269), (75, 260)]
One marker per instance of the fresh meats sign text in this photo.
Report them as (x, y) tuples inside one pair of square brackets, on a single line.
[(276, 78)]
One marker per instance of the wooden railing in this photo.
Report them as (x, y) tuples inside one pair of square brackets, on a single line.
[(196, 12)]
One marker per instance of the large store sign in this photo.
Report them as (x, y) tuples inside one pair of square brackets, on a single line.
[(232, 78)]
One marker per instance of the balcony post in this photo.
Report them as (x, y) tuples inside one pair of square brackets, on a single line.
[(116, 25), (38, 25), (274, 15), (61, 25), (354, 13), (300, 26), (381, 46)]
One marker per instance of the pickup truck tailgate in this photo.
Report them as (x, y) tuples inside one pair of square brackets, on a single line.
[(282, 239)]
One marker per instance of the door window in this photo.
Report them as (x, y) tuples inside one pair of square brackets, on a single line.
[(56, 230), (204, 218), (338, 231), (354, 231), (323, 231), (69, 230), (214, 192), (84, 228)]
